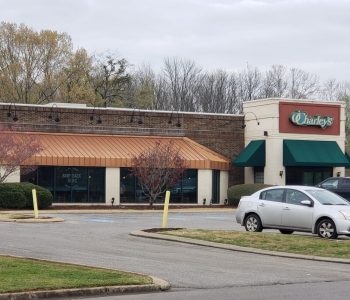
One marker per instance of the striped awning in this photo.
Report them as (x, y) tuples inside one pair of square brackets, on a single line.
[(61, 149)]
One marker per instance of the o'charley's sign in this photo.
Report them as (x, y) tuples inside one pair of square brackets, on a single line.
[(301, 118)]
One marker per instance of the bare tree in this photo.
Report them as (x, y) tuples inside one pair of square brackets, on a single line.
[(250, 80), (15, 150), (275, 82), (302, 84), (158, 169), (213, 92), (182, 78)]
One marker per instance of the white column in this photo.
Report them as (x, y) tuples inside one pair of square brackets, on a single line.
[(274, 172), (113, 185), (223, 186), (249, 175), (204, 186), (14, 177)]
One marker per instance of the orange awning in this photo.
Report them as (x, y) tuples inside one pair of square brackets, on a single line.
[(61, 149)]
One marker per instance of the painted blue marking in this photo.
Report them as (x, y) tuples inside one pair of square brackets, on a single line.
[(100, 220)]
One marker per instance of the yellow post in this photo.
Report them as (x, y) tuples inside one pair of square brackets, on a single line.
[(35, 204), (165, 212)]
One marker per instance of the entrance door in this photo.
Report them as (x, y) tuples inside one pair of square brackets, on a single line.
[(307, 175)]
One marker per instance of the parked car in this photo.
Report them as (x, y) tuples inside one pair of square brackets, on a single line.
[(338, 185), (295, 208)]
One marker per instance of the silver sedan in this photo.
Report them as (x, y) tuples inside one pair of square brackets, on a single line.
[(295, 208)]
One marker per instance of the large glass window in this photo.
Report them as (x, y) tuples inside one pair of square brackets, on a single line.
[(307, 175), (70, 184), (185, 191), (258, 174)]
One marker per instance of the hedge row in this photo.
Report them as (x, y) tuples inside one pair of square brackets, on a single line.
[(234, 193), (19, 195)]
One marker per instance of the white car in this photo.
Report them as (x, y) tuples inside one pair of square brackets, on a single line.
[(295, 208)]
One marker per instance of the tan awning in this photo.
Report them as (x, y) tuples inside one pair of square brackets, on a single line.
[(60, 149)]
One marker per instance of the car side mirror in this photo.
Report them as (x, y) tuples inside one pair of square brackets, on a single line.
[(307, 203)]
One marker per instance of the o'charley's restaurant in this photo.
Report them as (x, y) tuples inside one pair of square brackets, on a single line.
[(88, 152)]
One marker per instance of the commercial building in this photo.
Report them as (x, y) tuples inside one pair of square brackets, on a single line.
[(88, 152), (293, 142)]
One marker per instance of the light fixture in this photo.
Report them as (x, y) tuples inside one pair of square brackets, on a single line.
[(249, 112), (338, 174), (132, 116), (281, 173), (170, 119), (178, 123), (50, 116), (266, 133), (99, 120), (12, 113)]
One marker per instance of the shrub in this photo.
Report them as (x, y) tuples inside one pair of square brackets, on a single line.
[(25, 189), (12, 199), (234, 193)]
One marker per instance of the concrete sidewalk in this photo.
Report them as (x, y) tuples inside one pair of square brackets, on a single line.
[(120, 210)]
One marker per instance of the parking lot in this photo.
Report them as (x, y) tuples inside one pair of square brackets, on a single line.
[(103, 240)]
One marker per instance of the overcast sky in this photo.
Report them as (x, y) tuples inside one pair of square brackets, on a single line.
[(313, 35)]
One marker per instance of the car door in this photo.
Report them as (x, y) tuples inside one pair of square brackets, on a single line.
[(294, 214), (344, 188), (270, 207)]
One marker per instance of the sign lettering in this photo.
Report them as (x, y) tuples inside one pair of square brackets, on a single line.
[(301, 118)]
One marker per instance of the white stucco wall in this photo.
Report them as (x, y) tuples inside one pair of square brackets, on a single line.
[(204, 186), (14, 177), (267, 114), (113, 185)]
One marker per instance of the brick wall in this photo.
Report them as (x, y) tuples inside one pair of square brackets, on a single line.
[(221, 133)]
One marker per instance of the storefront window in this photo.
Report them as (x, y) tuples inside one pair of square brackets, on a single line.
[(70, 184), (185, 191), (215, 187), (307, 175)]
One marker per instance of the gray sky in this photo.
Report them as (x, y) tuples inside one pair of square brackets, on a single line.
[(313, 35)]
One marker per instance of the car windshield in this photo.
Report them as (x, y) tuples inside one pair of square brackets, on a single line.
[(327, 197)]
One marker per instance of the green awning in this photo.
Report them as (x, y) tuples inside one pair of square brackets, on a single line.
[(313, 153), (252, 156)]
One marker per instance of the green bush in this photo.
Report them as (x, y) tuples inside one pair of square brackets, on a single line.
[(44, 196), (234, 193), (12, 199)]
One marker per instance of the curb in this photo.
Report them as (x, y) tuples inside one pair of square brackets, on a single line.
[(33, 220), (158, 285), (152, 235), (126, 210)]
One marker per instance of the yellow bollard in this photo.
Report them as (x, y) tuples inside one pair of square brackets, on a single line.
[(165, 211), (35, 204)]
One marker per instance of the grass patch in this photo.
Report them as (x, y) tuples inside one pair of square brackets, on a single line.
[(18, 275), (308, 245)]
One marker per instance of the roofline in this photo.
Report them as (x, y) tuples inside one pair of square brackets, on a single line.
[(99, 108)]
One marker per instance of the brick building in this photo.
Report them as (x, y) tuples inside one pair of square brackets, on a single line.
[(88, 151)]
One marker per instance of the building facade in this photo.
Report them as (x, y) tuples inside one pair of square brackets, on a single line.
[(293, 142), (88, 152)]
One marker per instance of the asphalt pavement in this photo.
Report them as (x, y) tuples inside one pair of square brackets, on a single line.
[(195, 272)]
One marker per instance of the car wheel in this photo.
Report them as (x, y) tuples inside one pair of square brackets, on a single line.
[(252, 223), (326, 229), (286, 231)]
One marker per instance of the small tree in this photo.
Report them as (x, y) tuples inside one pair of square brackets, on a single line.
[(158, 169), (15, 150)]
